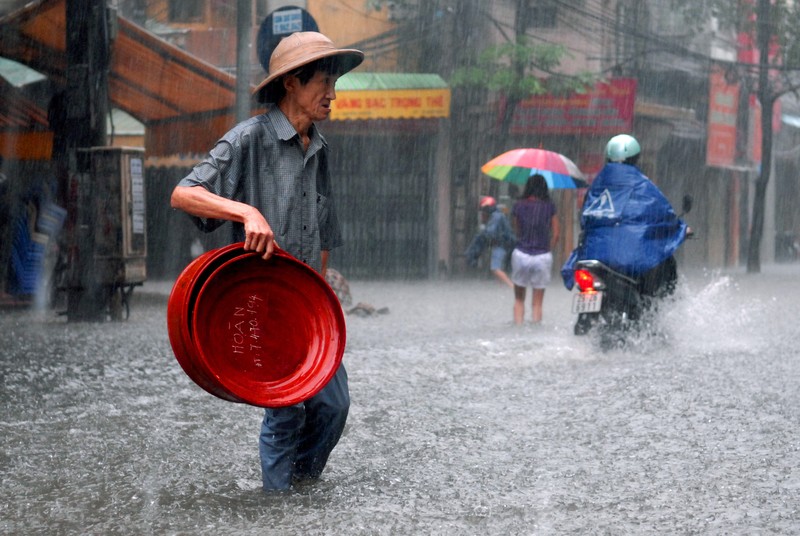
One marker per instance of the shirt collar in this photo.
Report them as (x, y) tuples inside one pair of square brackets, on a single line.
[(285, 130)]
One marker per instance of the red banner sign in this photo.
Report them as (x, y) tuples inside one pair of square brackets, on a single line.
[(605, 109), (723, 106)]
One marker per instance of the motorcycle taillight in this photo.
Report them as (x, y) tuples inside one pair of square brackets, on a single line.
[(585, 280)]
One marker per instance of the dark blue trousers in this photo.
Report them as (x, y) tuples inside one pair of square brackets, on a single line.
[(296, 441)]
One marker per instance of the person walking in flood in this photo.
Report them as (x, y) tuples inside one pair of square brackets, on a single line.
[(537, 229), (270, 176), (495, 234)]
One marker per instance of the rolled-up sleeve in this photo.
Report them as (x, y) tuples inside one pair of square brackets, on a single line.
[(262, 162), (220, 173)]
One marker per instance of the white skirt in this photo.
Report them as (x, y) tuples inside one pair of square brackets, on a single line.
[(531, 270)]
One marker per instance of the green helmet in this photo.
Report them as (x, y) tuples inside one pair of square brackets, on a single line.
[(621, 147)]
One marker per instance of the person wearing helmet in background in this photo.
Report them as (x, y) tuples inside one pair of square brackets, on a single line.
[(495, 234), (628, 224)]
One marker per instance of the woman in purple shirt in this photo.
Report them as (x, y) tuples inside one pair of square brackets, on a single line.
[(537, 230)]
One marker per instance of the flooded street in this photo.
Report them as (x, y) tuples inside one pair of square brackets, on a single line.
[(412, 141), (460, 423)]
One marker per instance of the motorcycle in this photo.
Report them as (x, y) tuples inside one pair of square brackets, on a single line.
[(615, 304)]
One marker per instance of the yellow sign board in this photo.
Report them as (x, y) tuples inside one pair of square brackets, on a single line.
[(391, 104)]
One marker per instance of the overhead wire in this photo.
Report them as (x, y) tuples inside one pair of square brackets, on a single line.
[(588, 18), (670, 44), (539, 37), (360, 12), (602, 20), (405, 33), (652, 42)]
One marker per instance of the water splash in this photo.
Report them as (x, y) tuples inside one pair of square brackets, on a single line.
[(717, 315)]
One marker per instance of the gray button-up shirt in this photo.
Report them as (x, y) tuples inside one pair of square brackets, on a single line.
[(261, 162)]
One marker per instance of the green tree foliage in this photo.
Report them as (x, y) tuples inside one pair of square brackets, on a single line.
[(521, 69), (518, 68)]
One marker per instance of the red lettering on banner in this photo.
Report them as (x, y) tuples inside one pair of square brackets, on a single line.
[(604, 109), (437, 101), (348, 104), (406, 102)]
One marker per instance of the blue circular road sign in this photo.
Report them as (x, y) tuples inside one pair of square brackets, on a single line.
[(279, 24)]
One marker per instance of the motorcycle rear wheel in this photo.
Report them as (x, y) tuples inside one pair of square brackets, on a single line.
[(585, 323)]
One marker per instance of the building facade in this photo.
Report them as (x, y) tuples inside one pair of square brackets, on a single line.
[(410, 172)]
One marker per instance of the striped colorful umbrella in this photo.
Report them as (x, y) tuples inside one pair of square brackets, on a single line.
[(517, 165)]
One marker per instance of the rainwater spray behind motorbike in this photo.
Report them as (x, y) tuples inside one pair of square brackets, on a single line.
[(615, 304)]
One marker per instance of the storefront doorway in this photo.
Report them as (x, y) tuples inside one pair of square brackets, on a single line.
[(384, 198)]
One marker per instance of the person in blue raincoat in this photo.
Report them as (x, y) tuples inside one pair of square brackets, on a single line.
[(628, 224), (495, 234)]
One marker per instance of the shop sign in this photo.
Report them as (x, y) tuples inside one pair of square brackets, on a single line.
[(607, 108), (391, 104), (723, 107)]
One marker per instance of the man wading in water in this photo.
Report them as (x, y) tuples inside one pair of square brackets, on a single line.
[(270, 176)]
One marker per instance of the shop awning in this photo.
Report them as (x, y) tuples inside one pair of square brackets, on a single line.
[(149, 78), (185, 102), (24, 129), (361, 96), (18, 112)]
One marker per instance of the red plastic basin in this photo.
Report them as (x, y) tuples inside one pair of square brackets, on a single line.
[(266, 333)]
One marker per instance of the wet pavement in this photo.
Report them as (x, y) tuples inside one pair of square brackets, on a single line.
[(460, 422)]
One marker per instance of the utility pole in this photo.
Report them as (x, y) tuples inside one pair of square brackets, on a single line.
[(88, 53), (87, 72), (244, 23)]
